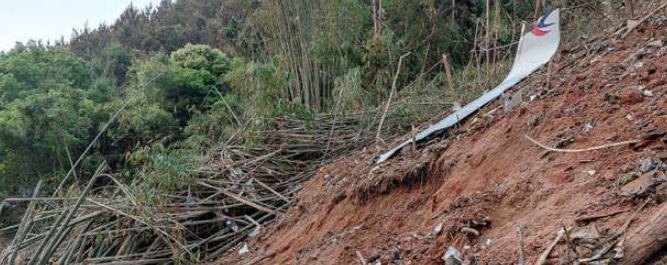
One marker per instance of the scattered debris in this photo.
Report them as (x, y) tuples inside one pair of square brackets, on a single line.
[(244, 249), (511, 102), (471, 232), (255, 232), (589, 218), (489, 171), (239, 190), (452, 256), (588, 127), (650, 173), (438, 229), (647, 93), (361, 258), (543, 257)]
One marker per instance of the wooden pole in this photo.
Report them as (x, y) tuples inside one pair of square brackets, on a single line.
[(448, 73), (453, 12), (630, 8), (487, 41), (391, 94), (538, 9)]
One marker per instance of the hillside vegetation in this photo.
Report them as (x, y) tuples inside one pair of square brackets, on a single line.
[(193, 71), (155, 96)]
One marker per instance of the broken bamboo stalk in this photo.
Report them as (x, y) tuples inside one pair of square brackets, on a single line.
[(391, 95), (22, 230), (56, 230), (450, 83), (545, 254)]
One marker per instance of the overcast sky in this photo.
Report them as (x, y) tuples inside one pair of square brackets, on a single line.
[(23, 20)]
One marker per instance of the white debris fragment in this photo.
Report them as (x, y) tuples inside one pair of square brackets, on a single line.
[(452, 256), (437, 229), (255, 232), (244, 249), (629, 117), (647, 93), (588, 127)]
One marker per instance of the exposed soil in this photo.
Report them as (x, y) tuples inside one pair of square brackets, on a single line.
[(489, 179)]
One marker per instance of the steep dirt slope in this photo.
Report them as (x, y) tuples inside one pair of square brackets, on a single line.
[(486, 181)]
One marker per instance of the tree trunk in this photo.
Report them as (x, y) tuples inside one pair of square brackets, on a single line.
[(647, 239)]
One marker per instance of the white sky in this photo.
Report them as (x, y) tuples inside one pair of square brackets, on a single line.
[(23, 20)]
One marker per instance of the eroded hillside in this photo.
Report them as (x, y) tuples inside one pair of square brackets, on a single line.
[(492, 194)]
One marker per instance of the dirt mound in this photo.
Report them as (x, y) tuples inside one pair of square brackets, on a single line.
[(489, 192)]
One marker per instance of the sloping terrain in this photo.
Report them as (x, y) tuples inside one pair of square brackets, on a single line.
[(488, 191)]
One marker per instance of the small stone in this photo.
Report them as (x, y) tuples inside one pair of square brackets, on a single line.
[(396, 255), (375, 256), (646, 164), (655, 44), (630, 96), (627, 178), (629, 117), (635, 186)]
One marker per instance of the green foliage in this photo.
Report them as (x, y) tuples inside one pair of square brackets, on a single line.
[(189, 78), (291, 57), (349, 94), (208, 128), (261, 85), (45, 111), (54, 103), (162, 169), (117, 61), (34, 68)]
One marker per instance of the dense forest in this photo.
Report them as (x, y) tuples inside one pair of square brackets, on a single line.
[(176, 78)]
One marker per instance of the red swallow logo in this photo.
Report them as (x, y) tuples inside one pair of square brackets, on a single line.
[(538, 30)]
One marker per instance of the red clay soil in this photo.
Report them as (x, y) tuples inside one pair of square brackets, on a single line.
[(489, 177)]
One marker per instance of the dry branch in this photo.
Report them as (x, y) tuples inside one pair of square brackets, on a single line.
[(580, 150)]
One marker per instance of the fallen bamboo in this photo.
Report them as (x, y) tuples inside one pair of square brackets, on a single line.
[(542, 259), (22, 230), (262, 184), (66, 217)]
